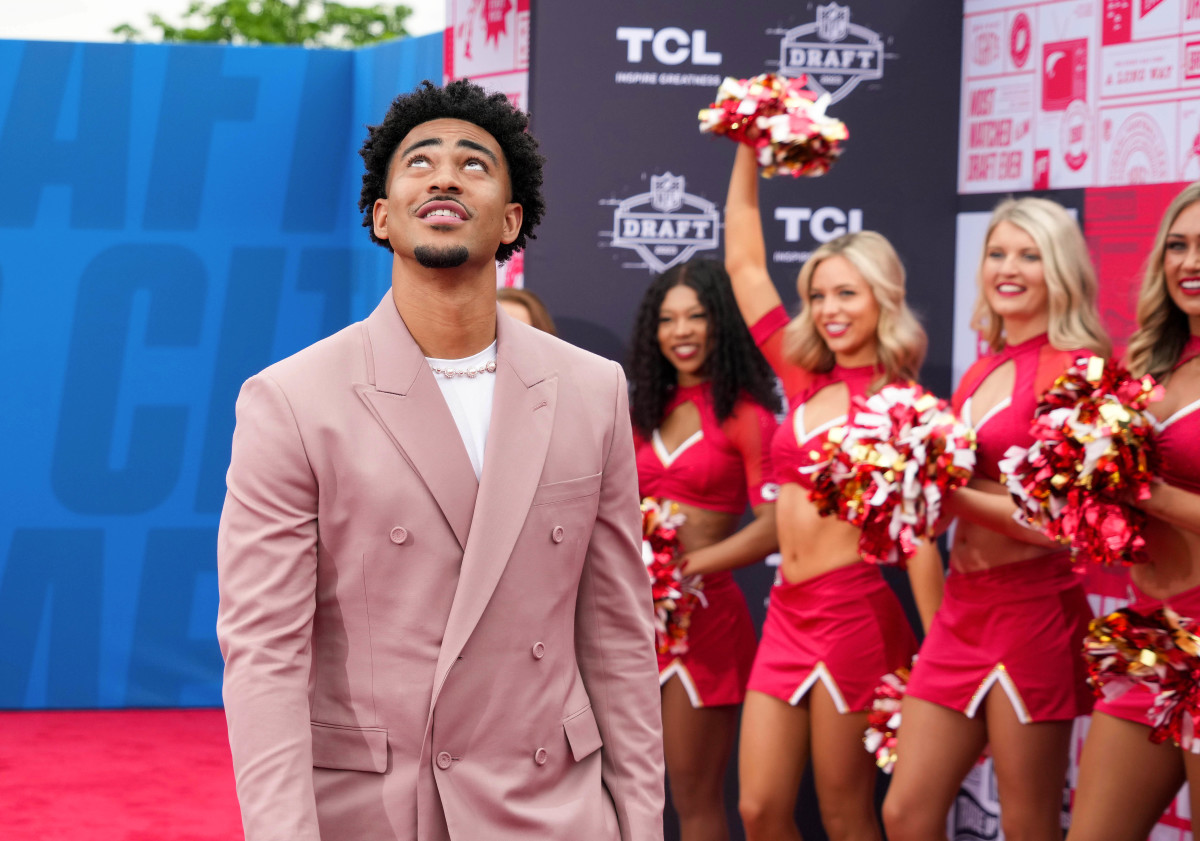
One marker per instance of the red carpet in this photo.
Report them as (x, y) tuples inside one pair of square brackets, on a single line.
[(127, 775)]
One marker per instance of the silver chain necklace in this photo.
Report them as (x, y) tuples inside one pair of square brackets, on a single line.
[(488, 367)]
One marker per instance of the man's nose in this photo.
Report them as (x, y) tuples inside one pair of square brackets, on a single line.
[(444, 179)]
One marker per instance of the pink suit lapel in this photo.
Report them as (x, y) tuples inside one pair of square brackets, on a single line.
[(409, 405), (518, 440)]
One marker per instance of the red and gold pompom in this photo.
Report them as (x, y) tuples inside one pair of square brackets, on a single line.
[(1093, 452), (784, 122), (1159, 651), (883, 720), (675, 594), (890, 467)]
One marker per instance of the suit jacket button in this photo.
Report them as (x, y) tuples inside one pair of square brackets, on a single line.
[(539, 651), (540, 756), (557, 534), (443, 760), (399, 534)]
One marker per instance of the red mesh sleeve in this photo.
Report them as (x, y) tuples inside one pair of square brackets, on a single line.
[(768, 335), (750, 428)]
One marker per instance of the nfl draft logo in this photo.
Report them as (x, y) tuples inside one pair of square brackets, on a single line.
[(834, 53), (833, 22), (667, 225), (666, 192)]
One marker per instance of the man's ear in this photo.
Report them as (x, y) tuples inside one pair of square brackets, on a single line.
[(379, 218), (514, 214)]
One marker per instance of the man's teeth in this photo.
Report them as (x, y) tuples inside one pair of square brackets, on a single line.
[(441, 212)]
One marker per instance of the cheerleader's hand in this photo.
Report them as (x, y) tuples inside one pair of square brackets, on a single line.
[(1149, 501), (948, 513), (693, 563), (943, 524)]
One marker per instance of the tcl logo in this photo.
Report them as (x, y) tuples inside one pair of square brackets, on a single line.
[(824, 223), (671, 45)]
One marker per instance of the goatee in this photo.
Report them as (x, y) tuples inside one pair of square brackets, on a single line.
[(441, 258)]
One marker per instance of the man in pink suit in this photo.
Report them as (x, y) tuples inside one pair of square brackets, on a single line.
[(434, 615)]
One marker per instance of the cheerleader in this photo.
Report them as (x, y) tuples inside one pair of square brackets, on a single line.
[(1125, 780), (526, 306), (703, 406), (834, 627), (1001, 663)]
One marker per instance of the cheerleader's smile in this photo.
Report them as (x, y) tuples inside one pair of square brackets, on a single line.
[(683, 333), (844, 311), (1014, 281), (1181, 264)]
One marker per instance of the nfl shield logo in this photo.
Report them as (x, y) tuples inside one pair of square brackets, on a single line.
[(666, 192), (833, 22)]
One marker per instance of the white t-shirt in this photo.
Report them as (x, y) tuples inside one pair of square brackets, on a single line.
[(470, 401)]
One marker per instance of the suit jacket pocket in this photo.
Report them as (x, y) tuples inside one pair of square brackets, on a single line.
[(570, 489), (349, 748), (582, 733)]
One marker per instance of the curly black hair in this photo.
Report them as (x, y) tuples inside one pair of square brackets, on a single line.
[(735, 366), (459, 100)]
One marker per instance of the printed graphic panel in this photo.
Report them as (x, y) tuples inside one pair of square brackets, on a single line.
[(488, 41), (650, 195), (1120, 226), (1107, 86), (172, 219)]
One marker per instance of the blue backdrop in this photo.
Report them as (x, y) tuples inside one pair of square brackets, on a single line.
[(172, 219)]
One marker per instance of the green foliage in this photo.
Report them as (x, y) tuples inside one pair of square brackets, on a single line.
[(312, 23)]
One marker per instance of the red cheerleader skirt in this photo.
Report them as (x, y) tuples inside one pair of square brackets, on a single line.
[(1134, 704), (845, 628), (721, 646), (1019, 627)]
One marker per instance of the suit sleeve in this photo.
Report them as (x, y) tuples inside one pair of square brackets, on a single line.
[(615, 641), (267, 566)]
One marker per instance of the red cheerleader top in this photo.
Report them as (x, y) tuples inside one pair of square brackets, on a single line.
[(798, 452), (1038, 365), (721, 467), (1177, 436)]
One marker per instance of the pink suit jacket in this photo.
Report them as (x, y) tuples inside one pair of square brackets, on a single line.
[(410, 653)]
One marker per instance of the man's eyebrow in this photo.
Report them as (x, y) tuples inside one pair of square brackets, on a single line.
[(428, 141), (464, 143), (471, 144)]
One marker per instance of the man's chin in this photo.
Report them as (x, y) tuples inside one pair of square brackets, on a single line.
[(446, 257)]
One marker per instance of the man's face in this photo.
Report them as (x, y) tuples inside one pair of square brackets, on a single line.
[(448, 196)]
